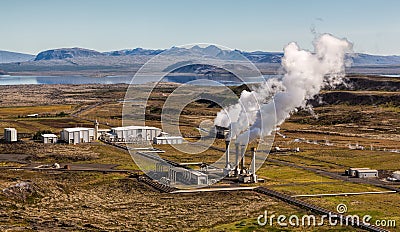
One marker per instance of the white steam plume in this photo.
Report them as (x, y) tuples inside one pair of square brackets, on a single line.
[(305, 74)]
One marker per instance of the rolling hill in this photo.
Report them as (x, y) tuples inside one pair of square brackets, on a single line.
[(10, 57)]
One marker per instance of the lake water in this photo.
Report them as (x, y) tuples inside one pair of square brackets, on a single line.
[(79, 80), (394, 75)]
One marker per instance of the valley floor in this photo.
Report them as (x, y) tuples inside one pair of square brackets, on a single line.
[(112, 201)]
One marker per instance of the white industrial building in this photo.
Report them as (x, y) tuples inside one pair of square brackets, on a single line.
[(165, 139), (362, 173), (188, 176), (368, 173), (353, 171), (10, 135), (32, 115), (396, 175), (133, 134), (77, 135), (49, 138)]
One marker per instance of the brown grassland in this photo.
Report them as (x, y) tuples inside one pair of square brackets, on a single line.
[(97, 201)]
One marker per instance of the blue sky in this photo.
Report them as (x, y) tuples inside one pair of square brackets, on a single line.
[(33, 26)]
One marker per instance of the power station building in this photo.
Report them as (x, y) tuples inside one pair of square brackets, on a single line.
[(133, 134), (396, 175), (165, 139), (370, 173), (362, 172), (10, 135), (77, 135), (49, 138), (180, 174), (353, 171)]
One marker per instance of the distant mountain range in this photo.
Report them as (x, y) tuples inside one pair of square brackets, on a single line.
[(366, 59), (10, 57), (209, 52)]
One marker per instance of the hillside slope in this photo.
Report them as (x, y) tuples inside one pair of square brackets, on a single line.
[(10, 57)]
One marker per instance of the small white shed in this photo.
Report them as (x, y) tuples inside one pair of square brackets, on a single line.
[(10, 135), (49, 138)]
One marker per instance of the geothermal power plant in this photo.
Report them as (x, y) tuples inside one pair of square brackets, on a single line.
[(178, 174)]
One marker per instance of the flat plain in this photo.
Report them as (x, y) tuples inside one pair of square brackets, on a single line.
[(356, 127)]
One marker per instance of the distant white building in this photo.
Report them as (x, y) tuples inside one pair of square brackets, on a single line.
[(133, 134), (396, 175), (370, 173), (353, 171), (49, 138), (168, 140), (77, 135), (187, 175), (32, 115), (10, 135)]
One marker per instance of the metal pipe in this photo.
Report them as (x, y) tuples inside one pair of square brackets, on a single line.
[(253, 165), (236, 165), (242, 160), (227, 153), (253, 161), (237, 155)]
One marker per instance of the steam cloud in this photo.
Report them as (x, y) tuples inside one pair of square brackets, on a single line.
[(305, 74)]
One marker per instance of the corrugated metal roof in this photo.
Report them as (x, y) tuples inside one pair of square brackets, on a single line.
[(169, 137), (49, 136), (135, 128), (77, 129), (367, 170)]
